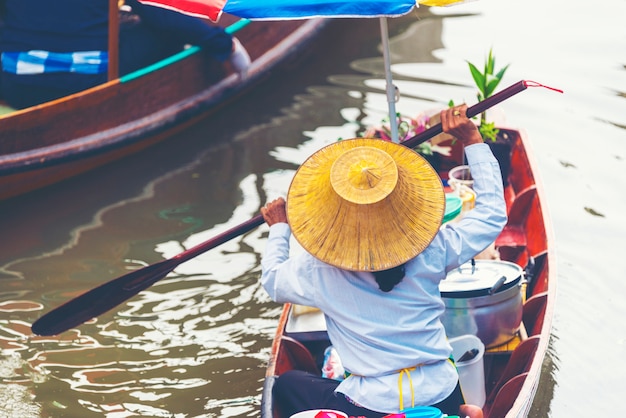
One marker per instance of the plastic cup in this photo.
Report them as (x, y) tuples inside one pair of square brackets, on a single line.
[(460, 175)]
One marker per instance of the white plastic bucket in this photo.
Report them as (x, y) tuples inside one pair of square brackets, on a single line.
[(471, 372), (325, 413)]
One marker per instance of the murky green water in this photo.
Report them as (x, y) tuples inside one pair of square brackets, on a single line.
[(196, 343)]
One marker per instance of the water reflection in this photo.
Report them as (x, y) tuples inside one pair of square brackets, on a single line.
[(197, 342)]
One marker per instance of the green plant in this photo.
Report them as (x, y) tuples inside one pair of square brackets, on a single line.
[(486, 82)]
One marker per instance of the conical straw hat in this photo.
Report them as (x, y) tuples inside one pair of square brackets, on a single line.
[(365, 204)]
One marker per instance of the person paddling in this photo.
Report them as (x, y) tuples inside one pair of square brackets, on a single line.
[(368, 214)]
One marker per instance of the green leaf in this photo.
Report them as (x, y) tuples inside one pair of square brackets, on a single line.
[(501, 72), (490, 63), (492, 83), (478, 77), (487, 82), (488, 131)]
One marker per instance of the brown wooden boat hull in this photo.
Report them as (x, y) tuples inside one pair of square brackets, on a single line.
[(512, 371), (45, 144)]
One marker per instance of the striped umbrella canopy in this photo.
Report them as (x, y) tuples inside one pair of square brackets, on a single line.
[(308, 9)]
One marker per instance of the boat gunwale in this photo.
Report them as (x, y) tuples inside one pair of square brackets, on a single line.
[(134, 131), (523, 403)]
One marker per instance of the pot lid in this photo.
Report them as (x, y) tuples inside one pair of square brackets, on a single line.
[(480, 277)]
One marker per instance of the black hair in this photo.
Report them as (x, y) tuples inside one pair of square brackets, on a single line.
[(387, 279)]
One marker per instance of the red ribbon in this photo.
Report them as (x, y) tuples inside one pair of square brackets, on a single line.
[(529, 83)]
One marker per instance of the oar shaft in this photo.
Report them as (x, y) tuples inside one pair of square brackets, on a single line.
[(225, 236), (108, 295), (472, 111)]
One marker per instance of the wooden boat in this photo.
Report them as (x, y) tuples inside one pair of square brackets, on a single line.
[(51, 142), (512, 370)]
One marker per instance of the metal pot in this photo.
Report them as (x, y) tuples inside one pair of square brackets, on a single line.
[(483, 298)]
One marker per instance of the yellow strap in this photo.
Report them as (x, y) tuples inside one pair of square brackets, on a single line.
[(408, 374)]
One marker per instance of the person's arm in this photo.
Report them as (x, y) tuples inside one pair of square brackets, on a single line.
[(275, 262), (277, 250), (480, 226), (455, 122), (275, 212), (285, 278)]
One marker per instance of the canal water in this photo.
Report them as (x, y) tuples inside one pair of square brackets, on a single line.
[(196, 343)]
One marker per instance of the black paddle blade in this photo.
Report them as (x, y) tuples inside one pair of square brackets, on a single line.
[(101, 299), (107, 296)]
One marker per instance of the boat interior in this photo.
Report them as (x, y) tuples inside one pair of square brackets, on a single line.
[(303, 340)]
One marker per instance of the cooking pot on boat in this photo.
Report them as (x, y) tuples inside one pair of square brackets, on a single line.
[(483, 298)]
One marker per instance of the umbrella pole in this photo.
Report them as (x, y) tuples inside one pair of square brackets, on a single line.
[(391, 89)]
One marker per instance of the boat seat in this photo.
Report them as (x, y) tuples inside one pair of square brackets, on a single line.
[(299, 356), (519, 160), (505, 398), (306, 323), (533, 313), (519, 363), (514, 234)]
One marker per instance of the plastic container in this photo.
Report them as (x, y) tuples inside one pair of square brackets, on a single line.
[(320, 413), (471, 372), (453, 207), (460, 175), (468, 199), (461, 182), (422, 412)]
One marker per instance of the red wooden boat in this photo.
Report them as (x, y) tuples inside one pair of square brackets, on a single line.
[(51, 142), (512, 370)]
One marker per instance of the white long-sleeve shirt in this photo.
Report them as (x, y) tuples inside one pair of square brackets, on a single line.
[(378, 334)]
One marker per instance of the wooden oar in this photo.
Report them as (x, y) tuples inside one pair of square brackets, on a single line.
[(472, 111), (107, 296)]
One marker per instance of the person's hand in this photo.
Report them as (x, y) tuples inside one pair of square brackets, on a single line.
[(454, 121), (239, 59), (275, 212)]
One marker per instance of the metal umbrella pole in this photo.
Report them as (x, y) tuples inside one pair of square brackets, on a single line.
[(391, 89)]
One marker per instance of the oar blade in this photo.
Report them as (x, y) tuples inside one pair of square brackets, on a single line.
[(107, 296), (100, 299)]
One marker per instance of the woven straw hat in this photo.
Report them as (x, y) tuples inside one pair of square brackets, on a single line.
[(365, 204)]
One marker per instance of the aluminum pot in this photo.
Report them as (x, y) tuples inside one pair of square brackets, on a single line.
[(483, 298)]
